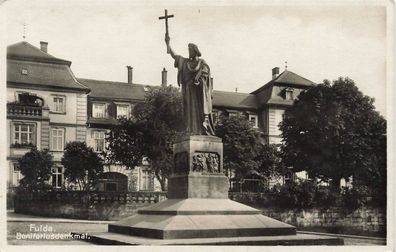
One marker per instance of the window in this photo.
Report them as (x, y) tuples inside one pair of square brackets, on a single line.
[(289, 95), (59, 104), (122, 111), (57, 177), (99, 110), (231, 114), (57, 139), (253, 119), (99, 138), (24, 134), (16, 174), (146, 178), (215, 116), (145, 161), (286, 178), (30, 99)]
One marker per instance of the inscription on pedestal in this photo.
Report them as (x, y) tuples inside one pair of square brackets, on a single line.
[(206, 162)]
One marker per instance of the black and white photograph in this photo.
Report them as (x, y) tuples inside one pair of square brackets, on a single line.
[(251, 124)]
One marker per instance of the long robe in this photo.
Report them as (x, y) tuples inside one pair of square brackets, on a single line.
[(194, 77)]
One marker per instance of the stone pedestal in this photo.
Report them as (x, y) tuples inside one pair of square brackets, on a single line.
[(198, 209), (198, 169)]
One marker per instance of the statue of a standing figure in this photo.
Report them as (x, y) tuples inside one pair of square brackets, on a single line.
[(194, 77)]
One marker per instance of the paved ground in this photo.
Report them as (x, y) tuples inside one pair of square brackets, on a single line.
[(26, 225), (21, 228)]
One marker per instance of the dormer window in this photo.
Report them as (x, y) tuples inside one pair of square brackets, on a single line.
[(253, 119), (99, 110), (288, 94), (122, 111), (24, 71)]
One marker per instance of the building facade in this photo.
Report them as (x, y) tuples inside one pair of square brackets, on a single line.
[(47, 106), (107, 102)]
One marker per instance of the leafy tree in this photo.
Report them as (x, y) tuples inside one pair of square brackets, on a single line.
[(333, 131), (270, 161), (241, 146), (155, 125), (82, 164), (35, 166)]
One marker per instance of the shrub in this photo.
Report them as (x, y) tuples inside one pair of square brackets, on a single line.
[(298, 195), (35, 166), (354, 198), (325, 197)]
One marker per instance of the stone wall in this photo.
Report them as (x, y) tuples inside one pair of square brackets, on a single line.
[(367, 220), (361, 221), (83, 205)]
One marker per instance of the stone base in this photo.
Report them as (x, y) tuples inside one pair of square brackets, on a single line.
[(287, 240), (198, 186), (200, 218)]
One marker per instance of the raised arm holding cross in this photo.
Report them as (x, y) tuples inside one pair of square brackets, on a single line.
[(167, 38)]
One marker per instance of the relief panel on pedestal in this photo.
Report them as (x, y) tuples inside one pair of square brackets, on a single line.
[(206, 162)]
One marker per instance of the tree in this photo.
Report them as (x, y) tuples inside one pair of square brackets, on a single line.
[(150, 133), (35, 166), (270, 162), (82, 165), (333, 131), (245, 152), (241, 146)]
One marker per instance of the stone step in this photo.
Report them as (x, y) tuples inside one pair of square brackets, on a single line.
[(106, 238)]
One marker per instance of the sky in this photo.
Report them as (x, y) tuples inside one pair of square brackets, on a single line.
[(241, 42)]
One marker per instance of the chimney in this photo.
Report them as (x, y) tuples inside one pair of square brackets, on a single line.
[(130, 69), (164, 77), (275, 72), (44, 46)]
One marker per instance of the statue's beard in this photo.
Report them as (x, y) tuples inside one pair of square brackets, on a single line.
[(192, 56)]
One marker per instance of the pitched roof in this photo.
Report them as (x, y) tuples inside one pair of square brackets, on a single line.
[(126, 91), (42, 74), (25, 51), (234, 100), (287, 77), (114, 90)]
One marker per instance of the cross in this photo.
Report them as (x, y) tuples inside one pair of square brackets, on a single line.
[(166, 17)]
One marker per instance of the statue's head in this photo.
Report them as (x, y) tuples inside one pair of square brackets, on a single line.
[(193, 50)]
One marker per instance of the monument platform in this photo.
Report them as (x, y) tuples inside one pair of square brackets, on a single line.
[(200, 218), (198, 210), (285, 240)]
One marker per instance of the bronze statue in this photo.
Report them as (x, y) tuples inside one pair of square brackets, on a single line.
[(194, 77)]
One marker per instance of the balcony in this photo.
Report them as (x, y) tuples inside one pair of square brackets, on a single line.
[(17, 110)]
